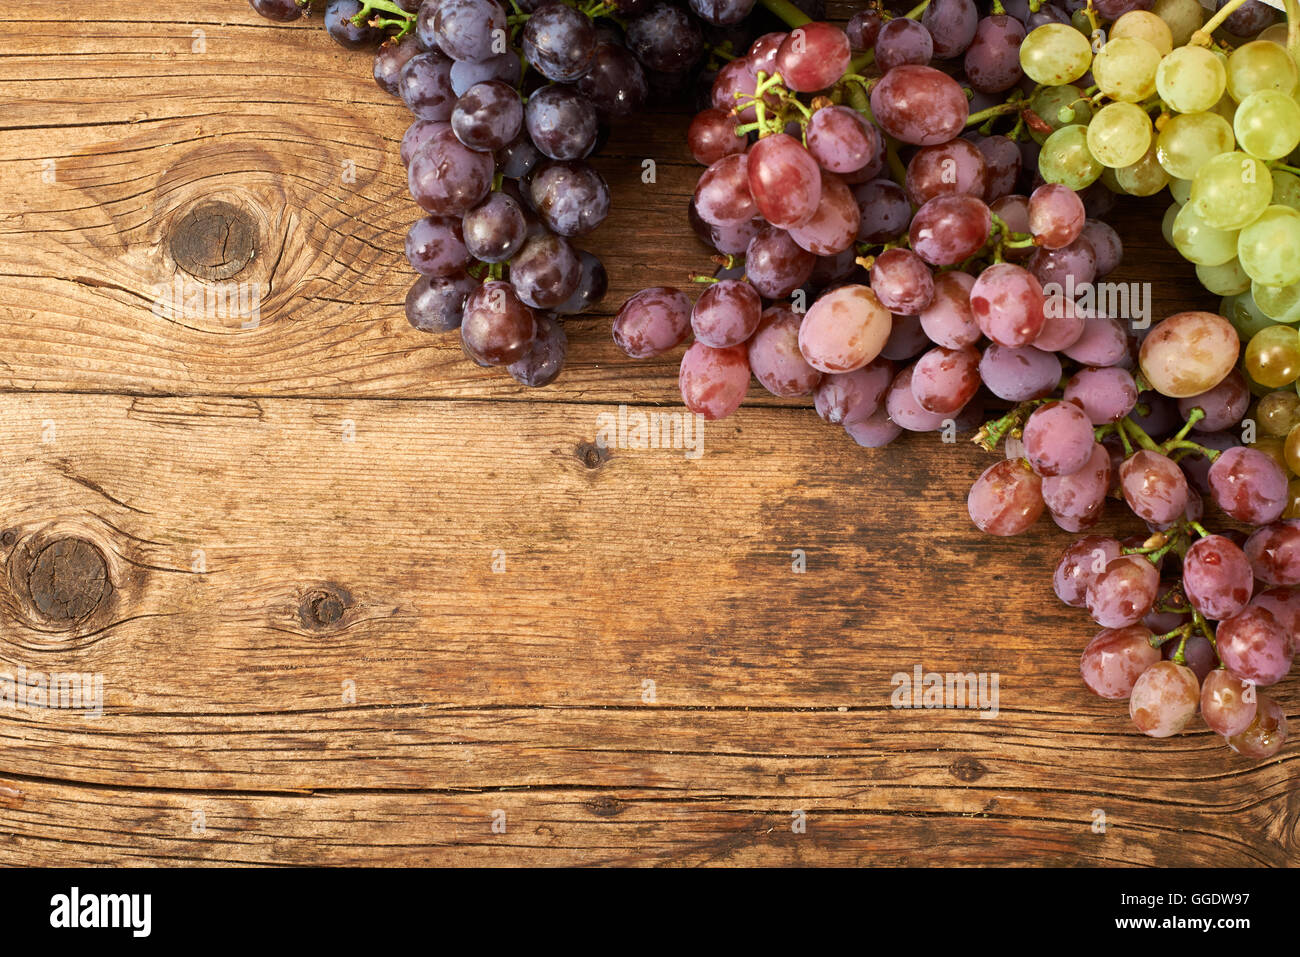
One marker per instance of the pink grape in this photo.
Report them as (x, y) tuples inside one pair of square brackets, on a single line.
[(944, 380), (948, 320), (813, 57), (1058, 439), (1008, 305), (1217, 577), (1164, 699), (956, 166), (1224, 405), (713, 381), (858, 393), (1253, 645), (1102, 343), (1123, 593), (775, 264), (901, 404), (1080, 565), (834, 227), (1056, 215), (902, 282), (1006, 499), (919, 104), (841, 139), (652, 322), (1228, 704), (1105, 395), (784, 180), (722, 196), (885, 211), (775, 358), (1266, 734), (949, 229), (1274, 553), (1019, 374), (874, 430), (1076, 501), (1115, 659), (844, 330), (726, 314), (1154, 487), (1248, 485)]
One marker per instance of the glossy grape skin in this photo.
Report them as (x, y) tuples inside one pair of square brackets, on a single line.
[(349, 35), (944, 380), (950, 229), (1076, 501), (874, 430), (863, 28), (1106, 245), (1006, 499), (774, 355), (467, 29), (993, 59), (1248, 485), (948, 320), (416, 135), (543, 360), (1019, 374), (1056, 215), (844, 329), (1080, 565), (497, 327), (562, 122), (834, 226), (571, 198), (775, 264), (448, 178), (902, 407), (1189, 353), (1007, 302), (1002, 165), (784, 180), (546, 271), (1102, 343), (1058, 439), (920, 105), (1164, 699), (726, 314), (616, 83), (665, 39), (503, 66), (1105, 395), (652, 322), (859, 393), (722, 195), (956, 166), (559, 42), (1072, 266), (488, 116), (1124, 592), (425, 86), (1283, 603), (1115, 659), (435, 246), (841, 140), (736, 82), (722, 12), (952, 23), (1224, 405), (1217, 577), (813, 57), (902, 281), (732, 239), (1254, 646), (1266, 734), (1228, 704), (1063, 324), (282, 11), (713, 381), (903, 41), (437, 304), (390, 59), (906, 339), (593, 283), (885, 211), (1154, 487), (518, 158), (1274, 553), (495, 229), (712, 136)]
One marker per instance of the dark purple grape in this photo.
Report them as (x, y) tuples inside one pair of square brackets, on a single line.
[(488, 116), (952, 23), (993, 59), (1248, 19), (863, 28), (544, 357), (885, 211), (339, 25), (416, 135), (562, 122), (1002, 166), (435, 304), (435, 246), (776, 264), (390, 59), (903, 41), (593, 283), (616, 82), (546, 271), (448, 178), (712, 136), (469, 29), (504, 67), (282, 11), (518, 157), (652, 322), (560, 42), (495, 229), (665, 39), (722, 12), (425, 86), (571, 198), (497, 327)]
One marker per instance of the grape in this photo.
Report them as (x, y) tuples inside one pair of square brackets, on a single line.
[(874, 430), (1191, 79), (1119, 134), (571, 198), (544, 358), (425, 86), (1266, 734), (1019, 374), (1269, 248), (950, 229), (1189, 353), (1006, 499), (1075, 501), (447, 178), (885, 211), (1200, 243), (863, 28), (944, 380), (952, 23), (834, 227), (948, 320), (488, 116), (1260, 66), (712, 136), (435, 246), (920, 105), (1115, 659), (1231, 190), (732, 239), (901, 281), (469, 29), (1286, 189), (735, 83), (1102, 343), (339, 25), (1066, 159), (857, 394), (517, 158), (775, 358), (1248, 485), (1125, 69), (1080, 565), (561, 122), (726, 314), (1284, 605), (953, 167), (1071, 267), (903, 41), (844, 330), (904, 409), (504, 67), (1055, 54), (497, 327), (1047, 13), (1253, 645), (813, 57), (775, 264), (1224, 405), (284, 11), (1056, 216), (1007, 302), (416, 135), (992, 61), (906, 339), (1248, 19), (722, 195), (1164, 699), (1146, 177), (1001, 164), (593, 283), (1217, 577), (1228, 704), (1063, 324), (841, 139), (616, 84), (559, 42), (1228, 279), (652, 322), (1273, 356), (1145, 26), (390, 59), (1057, 107), (714, 381), (1277, 302), (1058, 439), (1183, 18), (1154, 487), (546, 271), (1274, 554), (784, 181), (437, 304), (722, 12), (1278, 413)]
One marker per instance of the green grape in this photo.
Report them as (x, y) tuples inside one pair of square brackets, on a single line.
[(1144, 25), (1244, 316), (1278, 413), (1180, 190), (1281, 303), (1065, 159), (1226, 108), (1273, 356), (1054, 54), (1146, 177), (1119, 135), (1125, 69), (1191, 79), (1267, 124), (1059, 106), (1269, 247), (1231, 190), (1274, 34), (1228, 279), (1184, 17), (1200, 243), (1108, 180), (1286, 189), (1190, 140), (1260, 65), (1167, 224)]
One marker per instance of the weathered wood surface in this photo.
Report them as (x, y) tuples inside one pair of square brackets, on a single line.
[(355, 601)]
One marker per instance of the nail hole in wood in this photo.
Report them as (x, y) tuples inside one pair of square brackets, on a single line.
[(214, 240)]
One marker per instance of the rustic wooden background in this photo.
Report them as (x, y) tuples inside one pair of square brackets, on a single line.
[(277, 544)]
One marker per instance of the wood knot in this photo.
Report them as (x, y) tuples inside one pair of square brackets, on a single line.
[(605, 806), (967, 769), (68, 580), (214, 240), (323, 608), (592, 455)]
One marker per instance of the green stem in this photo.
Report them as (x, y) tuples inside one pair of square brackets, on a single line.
[(1193, 448), (1293, 28), (1193, 417), (1002, 109), (789, 14), (403, 21), (1202, 36), (916, 11)]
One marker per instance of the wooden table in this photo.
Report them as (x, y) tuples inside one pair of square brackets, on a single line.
[(357, 601)]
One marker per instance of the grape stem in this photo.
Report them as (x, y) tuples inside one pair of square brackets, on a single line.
[(1284, 168), (991, 434), (1199, 529), (1002, 109), (1202, 37), (1130, 429), (1182, 631), (1293, 27), (404, 21), (1194, 416), (789, 14)]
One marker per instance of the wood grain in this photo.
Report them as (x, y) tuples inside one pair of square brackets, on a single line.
[(351, 596)]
